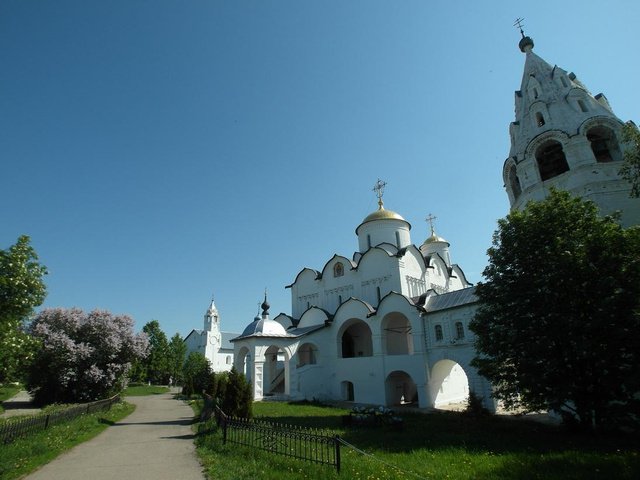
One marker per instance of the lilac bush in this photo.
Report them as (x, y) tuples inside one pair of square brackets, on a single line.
[(83, 356)]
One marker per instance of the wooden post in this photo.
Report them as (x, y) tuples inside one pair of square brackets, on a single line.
[(337, 443)]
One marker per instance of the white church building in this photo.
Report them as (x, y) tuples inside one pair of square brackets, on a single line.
[(388, 325), (213, 343)]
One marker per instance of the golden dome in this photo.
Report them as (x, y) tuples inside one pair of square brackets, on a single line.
[(382, 214), (434, 238)]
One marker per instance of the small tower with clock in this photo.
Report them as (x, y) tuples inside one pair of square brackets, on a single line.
[(212, 335)]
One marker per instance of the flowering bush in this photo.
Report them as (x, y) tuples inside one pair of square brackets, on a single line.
[(83, 356), (375, 415)]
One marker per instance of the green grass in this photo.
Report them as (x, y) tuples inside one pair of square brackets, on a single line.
[(141, 390), (439, 446), (6, 392), (28, 453)]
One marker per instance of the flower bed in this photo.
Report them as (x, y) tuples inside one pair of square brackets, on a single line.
[(373, 417)]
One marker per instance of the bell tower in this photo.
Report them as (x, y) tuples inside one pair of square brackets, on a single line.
[(564, 137)]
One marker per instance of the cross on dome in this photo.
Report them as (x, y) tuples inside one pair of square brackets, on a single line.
[(379, 189), (430, 219)]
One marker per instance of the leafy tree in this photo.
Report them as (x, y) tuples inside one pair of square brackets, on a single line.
[(238, 396), (558, 324), (84, 356), (157, 362), (21, 289), (176, 356), (196, 374), (631, 167)]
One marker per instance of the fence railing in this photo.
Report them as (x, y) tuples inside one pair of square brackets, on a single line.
[(17, 427), (281, 439)]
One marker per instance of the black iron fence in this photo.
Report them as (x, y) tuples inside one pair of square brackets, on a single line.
[(17, 427), (281, 439)]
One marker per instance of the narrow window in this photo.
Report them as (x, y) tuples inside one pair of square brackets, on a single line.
[(459, 331), (378, 293), (539, 119), (369, 241), (582, 106), (439, 336), (398, 239), (340, 299), (514, 182), (535, 92), (551, 160)]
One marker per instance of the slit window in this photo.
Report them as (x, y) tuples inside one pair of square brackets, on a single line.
[(583, 106), (539, 119)]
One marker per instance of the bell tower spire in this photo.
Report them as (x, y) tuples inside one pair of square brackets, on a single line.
[(566, 138)]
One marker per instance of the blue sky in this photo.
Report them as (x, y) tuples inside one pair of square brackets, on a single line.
[(158, 152)]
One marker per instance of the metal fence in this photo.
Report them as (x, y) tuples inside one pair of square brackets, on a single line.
[(17, 427), (281, 439)]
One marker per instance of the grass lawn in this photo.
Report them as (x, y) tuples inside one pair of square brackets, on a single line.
[(438, 446), (28, 453), (141, 390), (6, 392)]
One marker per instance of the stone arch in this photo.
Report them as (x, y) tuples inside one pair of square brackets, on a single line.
[(275, 375), (354, 339), (551, 159), (448, 384), (604, 144), (396, 331), (307, 354), (242, 362), (400, 389)]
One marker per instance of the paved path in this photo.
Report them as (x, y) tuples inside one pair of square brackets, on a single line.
[(19, 404), (154, 442)]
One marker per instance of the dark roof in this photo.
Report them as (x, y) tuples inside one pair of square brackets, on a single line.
[(299, 332), (453, 299), (226, 339)]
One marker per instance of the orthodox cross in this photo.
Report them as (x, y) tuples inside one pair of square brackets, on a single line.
[(518, 25), (379, 189), (430, 219)]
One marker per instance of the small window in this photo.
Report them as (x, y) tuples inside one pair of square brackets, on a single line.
[(338, 270), (539, 119), (439, 336), (228, 359), (369, 241), (378, 293), (583, 107), (535, 93), (459, 331), (551, 160), (398, 239)]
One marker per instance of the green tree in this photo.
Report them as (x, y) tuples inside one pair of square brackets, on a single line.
[(157, 362), (196, 374), (176, 357), (21, 290), (631, 168), (558, 322), (238, 396)]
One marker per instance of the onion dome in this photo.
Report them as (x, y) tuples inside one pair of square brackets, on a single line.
[(435, 238)]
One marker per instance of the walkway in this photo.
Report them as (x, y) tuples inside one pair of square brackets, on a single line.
[(154, 442), (19, 404)]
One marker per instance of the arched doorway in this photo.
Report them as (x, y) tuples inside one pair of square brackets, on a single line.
[(243, 363), (449, 384), (348, 393), (274, 375), (400, 389), (397, 334), (355, 340)]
